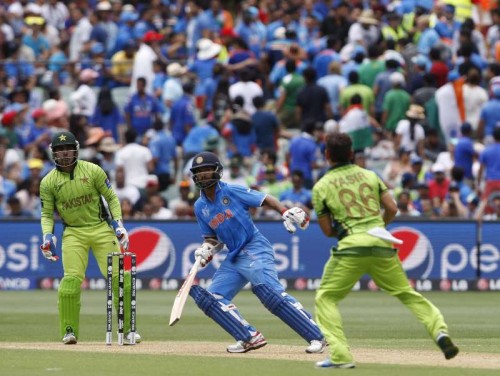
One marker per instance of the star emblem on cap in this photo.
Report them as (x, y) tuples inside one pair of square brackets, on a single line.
[(62, 137)]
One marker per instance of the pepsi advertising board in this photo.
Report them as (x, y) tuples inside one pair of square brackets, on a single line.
[(435, 255)]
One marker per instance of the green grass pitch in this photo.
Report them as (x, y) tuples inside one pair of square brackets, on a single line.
[(373, 321)]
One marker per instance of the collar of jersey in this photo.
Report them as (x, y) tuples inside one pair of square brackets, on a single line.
[(339, 165), (217, 189)]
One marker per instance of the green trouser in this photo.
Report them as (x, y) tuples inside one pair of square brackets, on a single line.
[(76, 244), (340, 275)]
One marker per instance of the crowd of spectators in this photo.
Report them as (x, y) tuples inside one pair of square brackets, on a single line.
[(145, 85)]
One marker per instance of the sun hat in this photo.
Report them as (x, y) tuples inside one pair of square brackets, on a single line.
[(367, 17), (108, 145), (207, 49), (416, 112), (176, 70)]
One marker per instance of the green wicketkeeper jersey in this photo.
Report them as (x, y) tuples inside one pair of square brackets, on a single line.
[(77, 197), (351, 195)]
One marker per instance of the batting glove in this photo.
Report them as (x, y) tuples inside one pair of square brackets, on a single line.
[(207, 251), (48, 247), (121, 234), (295, 216)]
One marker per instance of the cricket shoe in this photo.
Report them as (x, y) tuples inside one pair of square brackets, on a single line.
[(316, 346), (128, 338), (69, 338), (327, 363), (256, 342), (447, 346)]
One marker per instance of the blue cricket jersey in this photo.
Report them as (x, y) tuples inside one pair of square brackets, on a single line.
[(227, 217)]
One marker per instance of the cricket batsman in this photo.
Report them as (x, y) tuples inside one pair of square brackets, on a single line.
[(222, 211), (76, 190), (348, 201)]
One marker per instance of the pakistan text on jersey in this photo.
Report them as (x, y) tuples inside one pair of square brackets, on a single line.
[(220, 218), (348, 179), (77, 201)]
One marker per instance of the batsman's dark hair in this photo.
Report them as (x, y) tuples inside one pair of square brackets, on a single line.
[(339, 146)]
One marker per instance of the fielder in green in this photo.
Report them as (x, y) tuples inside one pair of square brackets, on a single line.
[(76, 190), (348, 201)]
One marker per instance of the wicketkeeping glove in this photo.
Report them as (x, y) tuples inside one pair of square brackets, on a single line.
[(207, 251), (295, 216), (121, 234), (48, 247)]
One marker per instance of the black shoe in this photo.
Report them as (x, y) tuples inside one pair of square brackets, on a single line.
[(447, 347)]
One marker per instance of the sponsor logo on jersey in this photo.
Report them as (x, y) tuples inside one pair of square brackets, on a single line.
[(226, 201), (219, 218), (155, 251), (77, 202), (416, 252), (108, 183)]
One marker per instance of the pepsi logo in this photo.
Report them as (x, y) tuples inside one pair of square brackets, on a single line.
[(482, 284), (416, 252), (300, 284), (155, 252), (445, 285), (46, 283), (155, 284)]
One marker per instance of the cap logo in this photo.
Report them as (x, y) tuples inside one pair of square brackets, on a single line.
[(199, 160), (62, 138)]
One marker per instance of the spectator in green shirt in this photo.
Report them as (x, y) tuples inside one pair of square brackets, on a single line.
[(396, 102), (289, 89), (354, 87)]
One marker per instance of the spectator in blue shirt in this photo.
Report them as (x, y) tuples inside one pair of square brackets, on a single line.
[(464, 151), (304, 152), (142, 110), (197, 139), (182, 116), (239, 132), (490, 166), (106, 114), (163, 148), (36, 40), (252, 31), (490, 115), (265, 125), (428, 37), (297, 195), (447, 27)]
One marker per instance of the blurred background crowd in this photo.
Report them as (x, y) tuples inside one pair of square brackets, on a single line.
[(145, 85)]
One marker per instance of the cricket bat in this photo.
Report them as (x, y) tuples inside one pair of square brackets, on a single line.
[(180, 299)]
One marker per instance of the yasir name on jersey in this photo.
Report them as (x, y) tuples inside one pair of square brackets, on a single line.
[(348, 179), (77, 201)]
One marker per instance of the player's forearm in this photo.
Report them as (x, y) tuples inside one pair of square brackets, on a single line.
[(388, 216), (47, 222), (114, 207), (273, 203), (390, 208)]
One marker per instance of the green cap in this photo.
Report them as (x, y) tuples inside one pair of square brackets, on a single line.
[(63, 138)]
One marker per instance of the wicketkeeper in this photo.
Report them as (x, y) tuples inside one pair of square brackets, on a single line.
[(222, 214), (76, 190)]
